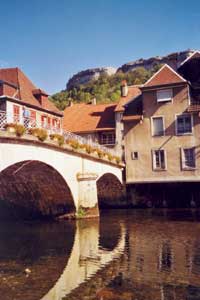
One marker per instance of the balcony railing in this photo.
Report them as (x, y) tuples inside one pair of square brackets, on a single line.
[(32, 123)]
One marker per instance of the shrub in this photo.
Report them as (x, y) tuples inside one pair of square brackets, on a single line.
[(88, 149), (100, 153), (74, 144), (57, 137), (20, 130), (33, 131), (40, 133), (10, 127), (110, 157), (7, 125), (117, 159)]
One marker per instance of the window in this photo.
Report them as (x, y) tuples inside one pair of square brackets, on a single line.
[(16, 113), (32, 118), (107, 138), (184, 124), (44, 121), (159, 160), (134, 155), (157, 126), (165, 263), (188, 158), (164, 95)]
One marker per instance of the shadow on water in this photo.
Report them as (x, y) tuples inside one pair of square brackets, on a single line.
[(42, 248)]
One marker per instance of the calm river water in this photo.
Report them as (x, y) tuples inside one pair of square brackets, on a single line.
[(128, 255)]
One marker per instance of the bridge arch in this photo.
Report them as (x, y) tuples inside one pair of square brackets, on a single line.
[(32, 188), (110, 191)]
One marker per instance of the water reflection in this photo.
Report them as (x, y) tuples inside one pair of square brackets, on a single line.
[(126, 255)]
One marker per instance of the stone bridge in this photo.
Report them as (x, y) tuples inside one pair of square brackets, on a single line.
[(42, 179)]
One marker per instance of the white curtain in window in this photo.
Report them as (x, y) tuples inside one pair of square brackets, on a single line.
[(164, 95), (158, 127)]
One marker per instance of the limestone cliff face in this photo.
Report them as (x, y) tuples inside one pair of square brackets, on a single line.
[(86, 76), (173, 59)]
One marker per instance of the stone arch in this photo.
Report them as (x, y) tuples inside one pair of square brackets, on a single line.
[(110, 191), (34, 189)]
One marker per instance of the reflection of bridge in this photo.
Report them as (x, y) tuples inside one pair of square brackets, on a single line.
[(85, 261), (49, 180)]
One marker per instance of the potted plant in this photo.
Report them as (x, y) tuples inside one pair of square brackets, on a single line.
[(117, 159), (57, 138), (10, 127), (20, 130), (40, 133)]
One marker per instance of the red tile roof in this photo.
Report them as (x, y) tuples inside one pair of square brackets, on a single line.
[(24, 90), (165, 76), (133, 92), (89, 117), (132, 118)]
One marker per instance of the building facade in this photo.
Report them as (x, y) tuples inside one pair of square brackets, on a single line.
[(162, 127), (22, 102), (96, 122)]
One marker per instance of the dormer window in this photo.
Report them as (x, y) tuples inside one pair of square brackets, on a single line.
[(164, 95)]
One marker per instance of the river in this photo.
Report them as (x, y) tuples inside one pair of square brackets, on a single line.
[(123, 255)]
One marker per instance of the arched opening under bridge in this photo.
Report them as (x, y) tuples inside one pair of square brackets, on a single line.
[(110, 191), (33, 189)]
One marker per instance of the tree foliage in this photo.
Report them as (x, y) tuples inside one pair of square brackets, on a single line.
[(105, 89)]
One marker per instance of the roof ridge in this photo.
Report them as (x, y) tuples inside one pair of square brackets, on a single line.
[(189, 57)]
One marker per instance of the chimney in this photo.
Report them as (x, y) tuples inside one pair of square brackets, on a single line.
[(94, 101), (124, 88), (41, 96)]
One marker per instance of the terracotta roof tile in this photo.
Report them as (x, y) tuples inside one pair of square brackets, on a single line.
[(133, 92), (166, 75), (25, 90), (132, 118), (89, 118)]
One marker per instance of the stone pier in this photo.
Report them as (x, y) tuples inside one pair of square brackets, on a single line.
[(87, 193)]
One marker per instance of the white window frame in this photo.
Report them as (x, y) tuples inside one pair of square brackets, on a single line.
[(176, 124), (133, 155), (152, 128), (154, 160), (164, 99), (108, 138), (183, 166)]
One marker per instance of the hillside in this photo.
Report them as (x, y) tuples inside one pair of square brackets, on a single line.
[(104, 83), (105, 89)]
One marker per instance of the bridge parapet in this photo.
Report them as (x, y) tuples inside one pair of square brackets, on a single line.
[(29, 123)]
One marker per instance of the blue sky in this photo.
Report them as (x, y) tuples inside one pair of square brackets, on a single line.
[(51, 40)]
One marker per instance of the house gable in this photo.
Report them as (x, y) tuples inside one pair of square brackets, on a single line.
[(165, 76)]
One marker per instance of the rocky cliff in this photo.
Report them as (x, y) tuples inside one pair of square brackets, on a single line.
[(173, 59), (86, 76)]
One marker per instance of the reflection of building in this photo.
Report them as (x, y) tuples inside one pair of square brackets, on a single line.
[(165, 258), (24, 103)]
